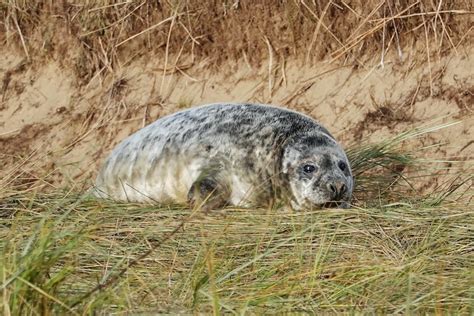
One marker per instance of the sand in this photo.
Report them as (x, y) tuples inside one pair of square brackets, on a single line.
[(56, 130)]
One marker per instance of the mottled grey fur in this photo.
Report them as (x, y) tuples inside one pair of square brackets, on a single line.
[(221, 154)]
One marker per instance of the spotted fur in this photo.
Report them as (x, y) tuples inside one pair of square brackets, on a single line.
[(240, 154)]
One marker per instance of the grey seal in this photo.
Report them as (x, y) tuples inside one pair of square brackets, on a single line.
[(229, 154)]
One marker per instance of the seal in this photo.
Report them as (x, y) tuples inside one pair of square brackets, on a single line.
[(229, 154)]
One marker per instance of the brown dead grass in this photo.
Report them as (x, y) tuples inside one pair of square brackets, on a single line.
[(110, 33)]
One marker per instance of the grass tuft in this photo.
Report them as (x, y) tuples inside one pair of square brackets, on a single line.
[(109, 33), (64, 252)]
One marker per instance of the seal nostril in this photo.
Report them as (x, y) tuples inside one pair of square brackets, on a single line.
[(343, 189), (332, 188)]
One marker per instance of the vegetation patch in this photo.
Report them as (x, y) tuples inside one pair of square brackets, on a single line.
[(110, 33), (65, 252)]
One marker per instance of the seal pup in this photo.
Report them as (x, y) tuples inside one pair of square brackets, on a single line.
[(229, 154)]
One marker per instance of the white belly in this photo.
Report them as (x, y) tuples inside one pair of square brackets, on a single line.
[(167, 180)]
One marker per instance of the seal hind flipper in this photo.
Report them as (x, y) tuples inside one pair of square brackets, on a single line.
[(207, 193)]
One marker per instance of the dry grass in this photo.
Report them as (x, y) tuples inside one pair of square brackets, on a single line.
[(111, 33), (64, 252), (403, 258)]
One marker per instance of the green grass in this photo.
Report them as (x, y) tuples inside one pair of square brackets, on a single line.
[(395, 252)]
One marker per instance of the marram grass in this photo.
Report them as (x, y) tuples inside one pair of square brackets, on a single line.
[(390, 259), (67, 253)]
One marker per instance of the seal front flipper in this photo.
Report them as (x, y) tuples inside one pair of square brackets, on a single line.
[(207, 193)]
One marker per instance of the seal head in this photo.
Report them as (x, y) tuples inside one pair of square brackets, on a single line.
[(318, 171)]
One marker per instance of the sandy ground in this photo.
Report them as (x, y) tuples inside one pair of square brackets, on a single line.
[(54, 127)]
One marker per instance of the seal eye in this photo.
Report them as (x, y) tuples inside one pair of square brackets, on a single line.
[(342, 165), (309, 168)]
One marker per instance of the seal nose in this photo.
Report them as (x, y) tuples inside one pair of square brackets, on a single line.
[(337, 189)]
